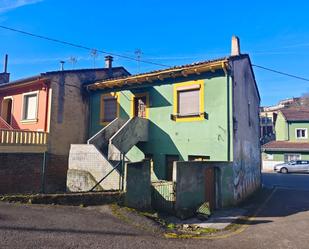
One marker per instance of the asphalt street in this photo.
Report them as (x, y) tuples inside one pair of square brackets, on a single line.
[(283, 222)]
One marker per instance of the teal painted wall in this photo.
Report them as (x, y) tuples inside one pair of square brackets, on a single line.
[(208, 137)]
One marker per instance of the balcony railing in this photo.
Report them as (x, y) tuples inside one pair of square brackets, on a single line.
[(21, 137)]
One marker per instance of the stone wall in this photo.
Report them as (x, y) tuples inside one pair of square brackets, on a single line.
[(138, 185), (190, 177), (22, 173)]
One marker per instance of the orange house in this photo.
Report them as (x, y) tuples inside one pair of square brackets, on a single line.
[(40, 117), (26, 106)]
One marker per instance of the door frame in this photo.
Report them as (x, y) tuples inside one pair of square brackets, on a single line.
[(135, 96), (210, 182), (7, 98)]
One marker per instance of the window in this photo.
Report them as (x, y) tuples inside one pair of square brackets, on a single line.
[(301, 133), (189, 101), (109, 107), (198, 158), (292, 157), (269, 156), (30, 106)]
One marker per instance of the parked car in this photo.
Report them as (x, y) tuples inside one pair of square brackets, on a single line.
[(293, 167)]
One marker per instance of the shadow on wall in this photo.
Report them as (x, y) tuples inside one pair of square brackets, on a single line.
[(160, 100), (159, 144)]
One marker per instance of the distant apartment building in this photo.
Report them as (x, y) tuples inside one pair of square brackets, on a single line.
[(292, 140), (268, 117)]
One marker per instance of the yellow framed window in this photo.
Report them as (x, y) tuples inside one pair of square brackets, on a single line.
[(109, 107), (189, 101)]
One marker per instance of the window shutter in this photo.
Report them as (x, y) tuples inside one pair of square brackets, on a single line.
[(30, 106), (110, 109), (189, 102)]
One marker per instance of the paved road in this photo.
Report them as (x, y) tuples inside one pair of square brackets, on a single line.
[(295, 181), (283, 223)]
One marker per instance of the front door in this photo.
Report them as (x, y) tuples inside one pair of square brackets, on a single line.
[(7, 110), (140, 106), (210, 187), (170, 159)]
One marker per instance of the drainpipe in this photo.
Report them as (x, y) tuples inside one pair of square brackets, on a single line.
[(47, 107), (43, 172), (122, 170), (228, 116)]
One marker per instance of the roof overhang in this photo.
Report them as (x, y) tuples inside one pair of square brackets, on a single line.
[(17, 84), (286, 149), (161, 75)]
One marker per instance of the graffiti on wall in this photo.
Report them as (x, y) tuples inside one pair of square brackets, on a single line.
[(246, 171)]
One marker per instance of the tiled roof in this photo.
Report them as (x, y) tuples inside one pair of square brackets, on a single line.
[(286, 146), (296, 113), (110, 82), (42, 75)]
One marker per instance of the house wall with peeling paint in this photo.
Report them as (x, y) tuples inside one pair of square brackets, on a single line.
[(246, 146)]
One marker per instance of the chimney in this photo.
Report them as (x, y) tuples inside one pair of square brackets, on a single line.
[(5, 68), (5, 76), (235, 46), (108, 61), (62, 65)]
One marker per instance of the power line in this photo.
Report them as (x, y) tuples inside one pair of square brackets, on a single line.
[(125, 56), (80, 46), (282, 73)]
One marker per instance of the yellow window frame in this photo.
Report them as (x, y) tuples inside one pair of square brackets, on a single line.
[(116, 96), (136, 95), (179, 87)]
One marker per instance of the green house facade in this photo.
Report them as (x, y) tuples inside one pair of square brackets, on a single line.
[(204, 115), (292, 141)]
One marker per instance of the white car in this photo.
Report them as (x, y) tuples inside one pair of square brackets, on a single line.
[(299, 166)]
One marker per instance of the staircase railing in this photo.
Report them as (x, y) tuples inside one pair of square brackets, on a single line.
[(5, 125)]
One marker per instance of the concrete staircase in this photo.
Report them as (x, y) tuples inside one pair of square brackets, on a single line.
[(104, 154), (5, 125)]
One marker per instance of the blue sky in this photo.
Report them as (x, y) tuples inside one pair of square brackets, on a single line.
[(167, 32)]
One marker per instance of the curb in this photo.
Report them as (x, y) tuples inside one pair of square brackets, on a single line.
[(239, 230)]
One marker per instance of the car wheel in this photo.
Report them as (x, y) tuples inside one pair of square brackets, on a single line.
[(284, 170)]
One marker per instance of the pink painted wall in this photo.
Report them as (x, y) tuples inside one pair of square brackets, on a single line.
[(16, 92)]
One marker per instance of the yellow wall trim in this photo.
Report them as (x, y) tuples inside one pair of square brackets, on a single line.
[(179, 87)]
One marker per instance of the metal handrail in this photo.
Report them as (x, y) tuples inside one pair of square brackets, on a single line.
[(99, 182)]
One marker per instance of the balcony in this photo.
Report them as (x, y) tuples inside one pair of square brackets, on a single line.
[(21, 141)]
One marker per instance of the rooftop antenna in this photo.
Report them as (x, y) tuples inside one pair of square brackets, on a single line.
[(138, 52), (62, 65), (73, 61), (94, 55)]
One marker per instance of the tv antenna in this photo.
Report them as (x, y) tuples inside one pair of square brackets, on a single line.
[(73, 61), (138, 53), (94, 55)]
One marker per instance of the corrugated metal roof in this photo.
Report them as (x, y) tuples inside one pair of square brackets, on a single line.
[(171, 68)]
